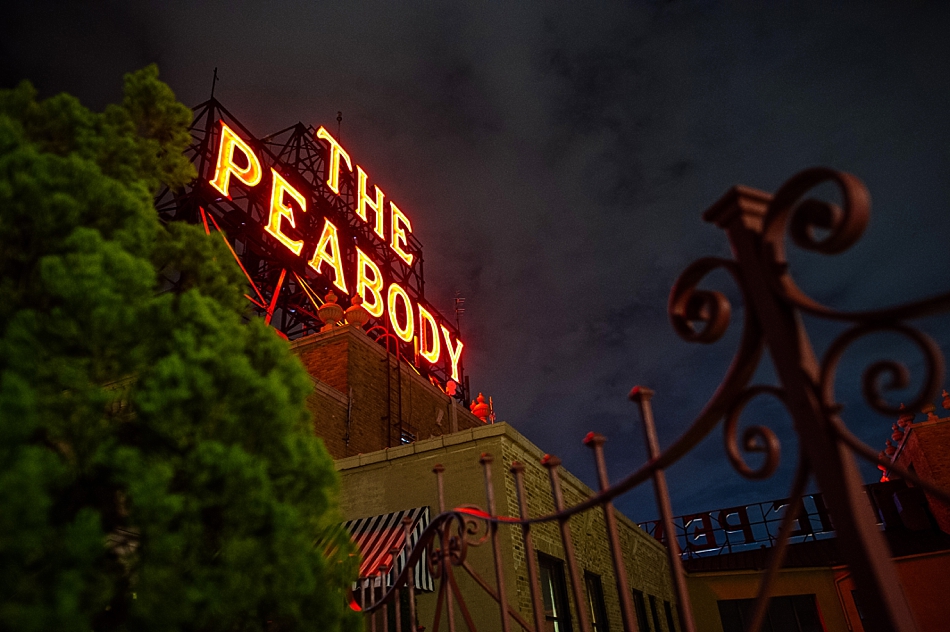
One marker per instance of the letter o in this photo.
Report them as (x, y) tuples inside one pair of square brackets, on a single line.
[(403, 332)]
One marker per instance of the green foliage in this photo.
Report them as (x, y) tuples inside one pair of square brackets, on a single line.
[(158, 469)]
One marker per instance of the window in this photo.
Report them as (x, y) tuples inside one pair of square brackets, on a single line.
[(670, 623), (656, 616), (790, 613), (595, 600), (554, 591), (857, 605), (641, 605)]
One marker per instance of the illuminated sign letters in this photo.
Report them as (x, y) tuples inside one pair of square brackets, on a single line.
[(745, 527), (409, 320)]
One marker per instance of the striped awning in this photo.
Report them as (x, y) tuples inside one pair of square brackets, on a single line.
[(376, 536)]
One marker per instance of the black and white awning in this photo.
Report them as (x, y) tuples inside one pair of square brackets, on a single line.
[(376, 536)]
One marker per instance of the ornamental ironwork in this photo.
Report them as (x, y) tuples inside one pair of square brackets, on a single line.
[(756, 224)]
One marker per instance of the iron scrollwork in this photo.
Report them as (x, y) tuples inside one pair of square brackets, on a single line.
[(757, 225)]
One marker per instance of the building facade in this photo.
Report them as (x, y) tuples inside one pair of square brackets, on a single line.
[(388, 428), (726, 550)]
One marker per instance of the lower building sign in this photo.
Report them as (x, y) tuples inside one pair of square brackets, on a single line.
[(745, 527)]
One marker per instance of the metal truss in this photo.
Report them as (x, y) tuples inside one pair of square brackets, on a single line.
[(283, 289)]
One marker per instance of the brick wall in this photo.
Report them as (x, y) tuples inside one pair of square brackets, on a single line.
[(374, 401), (329, 407), (362, 395), (925, 450), (645, 560), (401, 478)]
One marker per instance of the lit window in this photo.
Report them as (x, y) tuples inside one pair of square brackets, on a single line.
[(595, 600), (557, 615)]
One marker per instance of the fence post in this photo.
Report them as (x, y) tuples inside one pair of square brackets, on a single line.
[(742, 213), (642, 395), (517, 469), (596, 443), (552, 463), (486, 461)]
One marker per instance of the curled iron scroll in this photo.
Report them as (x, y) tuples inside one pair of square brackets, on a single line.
[(896, 374), (689, 305), (755, 438), (805, 218)]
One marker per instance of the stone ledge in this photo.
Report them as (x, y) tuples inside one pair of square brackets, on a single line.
[(373, 457), (347, 463), (457, 440), (400, 451)]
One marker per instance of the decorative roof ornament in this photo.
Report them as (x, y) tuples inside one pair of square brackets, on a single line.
[(890, 449), (897, 435), (906, 419), (929, 411), (479, 408), (330, 313), (356, 314)]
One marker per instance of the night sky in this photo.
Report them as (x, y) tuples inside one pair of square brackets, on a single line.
[(555, 159)]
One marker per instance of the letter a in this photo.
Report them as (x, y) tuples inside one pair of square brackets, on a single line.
[(328, 251)]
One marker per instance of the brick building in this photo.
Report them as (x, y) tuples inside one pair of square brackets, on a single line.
[(387, 427), (924, 448), (365, 399), (727, 549)]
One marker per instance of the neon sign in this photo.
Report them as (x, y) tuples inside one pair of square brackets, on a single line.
[(302, 234), (745, 527)]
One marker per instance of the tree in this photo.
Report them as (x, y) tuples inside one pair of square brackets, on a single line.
[(158, 469)]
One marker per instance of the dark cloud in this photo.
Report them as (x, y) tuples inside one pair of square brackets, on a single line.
[(555, 159)]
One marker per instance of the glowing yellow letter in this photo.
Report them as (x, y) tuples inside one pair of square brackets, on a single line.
[(428, 325), (454, 354), (369, 278), (250, 175), (333, 171), (363, 200), (404, 333), (399, 233), (280, 210), (328, 251)]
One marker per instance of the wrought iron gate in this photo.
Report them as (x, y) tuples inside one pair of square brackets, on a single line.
[(755, 224)]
